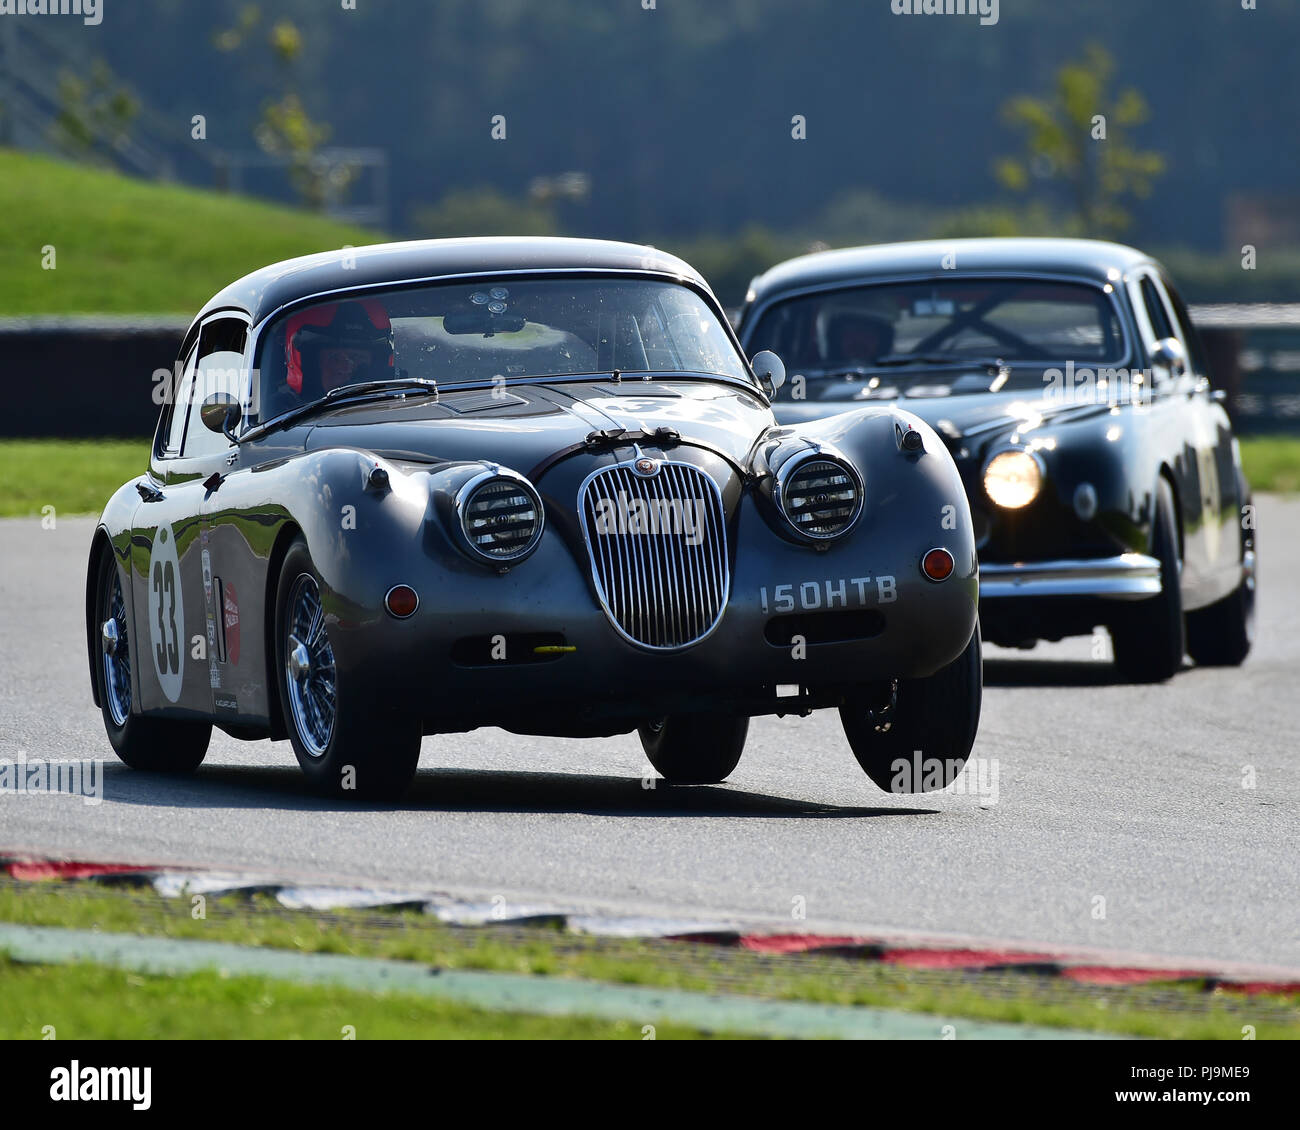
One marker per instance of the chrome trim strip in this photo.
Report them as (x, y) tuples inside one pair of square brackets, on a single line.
[(1130, 576)]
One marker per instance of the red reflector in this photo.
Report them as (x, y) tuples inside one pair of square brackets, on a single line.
[(937, 564), (402, 601)]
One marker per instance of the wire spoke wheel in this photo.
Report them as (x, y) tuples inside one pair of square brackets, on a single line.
[(115, 650), (310, 675)]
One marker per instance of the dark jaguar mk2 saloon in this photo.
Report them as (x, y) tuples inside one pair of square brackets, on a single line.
[(1068, 382), (530, 483)]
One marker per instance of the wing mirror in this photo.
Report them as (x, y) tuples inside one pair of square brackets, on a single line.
[(1168, 354), (769, 370), (221, 412)]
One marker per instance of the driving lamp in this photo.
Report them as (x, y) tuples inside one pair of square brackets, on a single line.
[(1013, 479)]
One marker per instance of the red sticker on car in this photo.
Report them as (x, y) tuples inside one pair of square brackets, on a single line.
[(231, 614)]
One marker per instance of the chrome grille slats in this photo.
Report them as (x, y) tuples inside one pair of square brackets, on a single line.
[(657, 588)]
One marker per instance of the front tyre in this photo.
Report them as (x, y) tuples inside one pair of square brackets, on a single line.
[(343, 744), (1149, 640), (1222, 634), (159, 745), (920, 739), (694, 749)]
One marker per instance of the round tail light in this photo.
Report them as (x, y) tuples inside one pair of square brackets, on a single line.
[(402, 601), (937, 565)]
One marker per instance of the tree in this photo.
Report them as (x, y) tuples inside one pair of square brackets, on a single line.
[(95, 116), (1077, 138), (285, 130)]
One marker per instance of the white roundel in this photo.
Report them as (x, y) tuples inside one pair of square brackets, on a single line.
[(166, 614)]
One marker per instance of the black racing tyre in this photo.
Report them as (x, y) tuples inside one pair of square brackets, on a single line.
[(931, 720), (159, 745), (694, 749), (1221, 635), (1149, 639), (345, 745)]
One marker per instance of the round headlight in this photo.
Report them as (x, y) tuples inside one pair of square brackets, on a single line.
[(1013, 479), (500, 516), (821, 498)]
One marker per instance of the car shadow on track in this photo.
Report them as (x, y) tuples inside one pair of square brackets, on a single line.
[(473, 790), (1051, 673)]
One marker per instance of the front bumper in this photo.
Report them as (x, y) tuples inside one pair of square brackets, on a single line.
[(1129, 576), (589, 675)]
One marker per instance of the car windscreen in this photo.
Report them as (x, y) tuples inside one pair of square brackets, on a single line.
[(1013, 320), (491, 330)]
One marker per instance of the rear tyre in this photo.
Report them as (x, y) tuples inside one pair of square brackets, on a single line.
[(1149, 640), (344, 745), (694, 749), (159, 745), (1222, 634), (933, 720)]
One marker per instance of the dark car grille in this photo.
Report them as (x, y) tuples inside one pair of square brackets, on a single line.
[(658, 547)]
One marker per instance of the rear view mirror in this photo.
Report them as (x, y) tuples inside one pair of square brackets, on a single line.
[(1168, 354), (769, 370), (221, 413), (483, 322)]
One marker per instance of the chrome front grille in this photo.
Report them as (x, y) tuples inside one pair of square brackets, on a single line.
[(658, 548)]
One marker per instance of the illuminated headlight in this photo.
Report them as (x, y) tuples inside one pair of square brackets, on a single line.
[(1013, 479), (500, 516), (821, 498)]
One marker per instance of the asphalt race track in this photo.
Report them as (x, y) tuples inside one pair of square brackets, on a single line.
[(1133, 794)]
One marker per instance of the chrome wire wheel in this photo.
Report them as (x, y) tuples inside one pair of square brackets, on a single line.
[(309, 667), (115, 649)]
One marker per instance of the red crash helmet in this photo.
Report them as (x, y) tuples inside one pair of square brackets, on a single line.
[(337, 325)]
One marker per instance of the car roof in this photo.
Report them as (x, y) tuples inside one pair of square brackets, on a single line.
[(1089, 258), (279, 284)]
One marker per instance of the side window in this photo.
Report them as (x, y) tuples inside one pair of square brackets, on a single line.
[(1156, 314), (220, 368), (178, 411), (1200, 361)]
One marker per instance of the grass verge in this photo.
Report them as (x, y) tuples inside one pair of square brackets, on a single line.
[(73, 476), (1272, 464), (85, 1002), (1174, 1011), (125, 246)]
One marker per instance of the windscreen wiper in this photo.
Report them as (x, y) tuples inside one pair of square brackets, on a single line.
[(360, 390), (898, 360)]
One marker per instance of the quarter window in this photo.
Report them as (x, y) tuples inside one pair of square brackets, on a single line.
[(181, 393), (1156, 314), (220, 368)]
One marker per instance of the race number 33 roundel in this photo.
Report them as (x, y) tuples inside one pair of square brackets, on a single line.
[(166, 614)]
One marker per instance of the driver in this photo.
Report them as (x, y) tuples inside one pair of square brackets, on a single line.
[(857, 338), (338, 344)]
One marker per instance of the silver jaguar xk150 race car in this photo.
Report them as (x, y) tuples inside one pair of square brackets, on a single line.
[(530, 483)]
